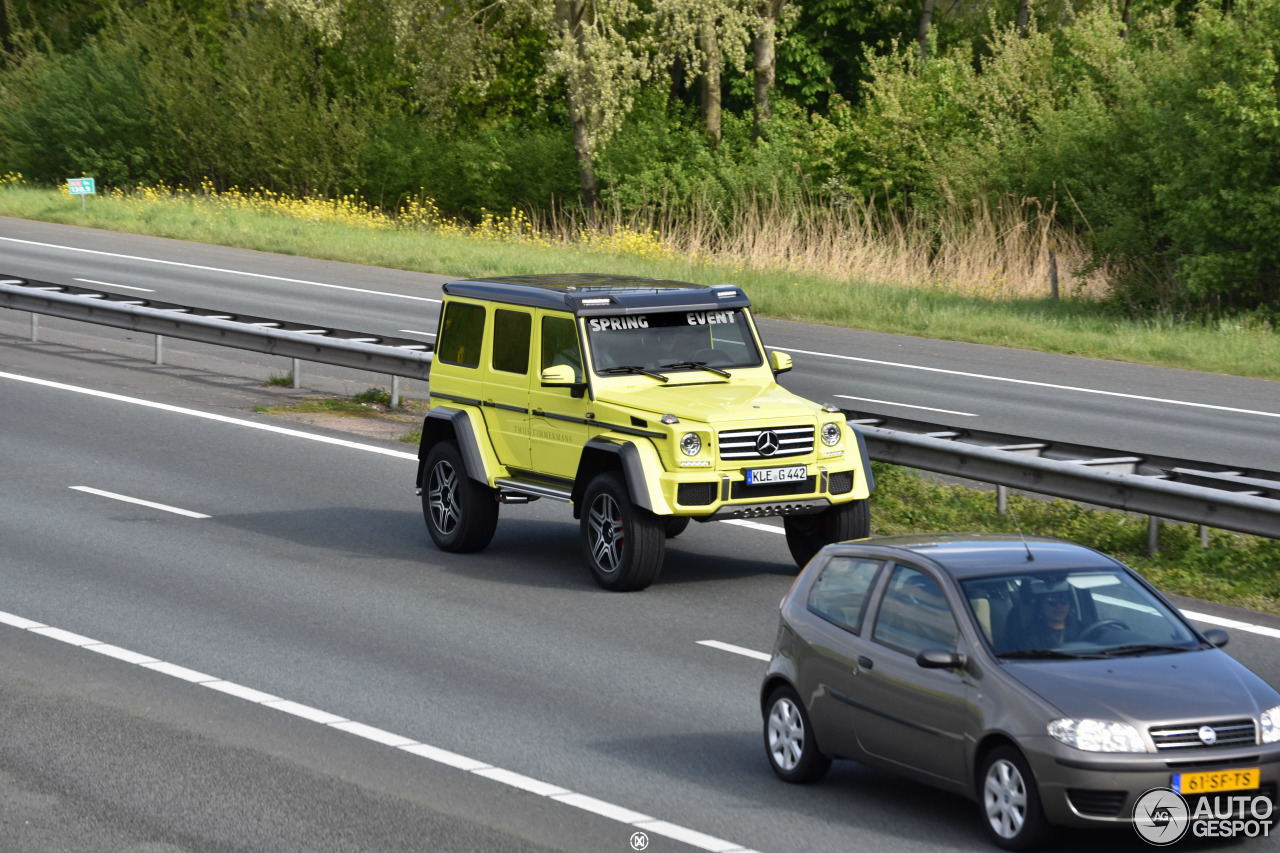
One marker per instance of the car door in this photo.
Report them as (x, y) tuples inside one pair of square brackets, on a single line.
[(506, 385), (559, 427), (904, 713)]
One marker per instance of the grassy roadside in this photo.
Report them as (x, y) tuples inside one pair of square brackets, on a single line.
[(1077, 327)]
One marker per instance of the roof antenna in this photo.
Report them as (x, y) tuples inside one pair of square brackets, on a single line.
[(1018, 525)]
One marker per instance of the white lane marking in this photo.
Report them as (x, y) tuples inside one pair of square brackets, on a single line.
[(112, 284), (1232, 623), (393, 740), (906, 405), (164, 407), (737, 650), (754, 525), (220, 269), (139, 501), (416, 332), (1039, 384)]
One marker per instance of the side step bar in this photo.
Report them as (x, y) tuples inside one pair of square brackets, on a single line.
[(524, 488)]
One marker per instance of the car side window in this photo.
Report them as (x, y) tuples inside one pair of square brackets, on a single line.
[(840, 593), (461, 334), (560, 345), (914, 614), (511, 334)]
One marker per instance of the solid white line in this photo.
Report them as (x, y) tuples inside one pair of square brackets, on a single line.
[(737, 650), (173, 509), (210, 416), (112, 284), (906, 405), (393, 740), (416, 332), (1232, 623), (754, 525), (219, 269), (1039, 384)]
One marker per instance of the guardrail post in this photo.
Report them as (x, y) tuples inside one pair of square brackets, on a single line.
[(1002, 499), (1204, 536), (297, 373), (395, 391), (35, 328), (1153, 534), (159, 350)]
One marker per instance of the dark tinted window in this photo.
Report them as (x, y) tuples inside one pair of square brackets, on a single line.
[(914, 614), (840, 593), (461, 333), (511, 333)]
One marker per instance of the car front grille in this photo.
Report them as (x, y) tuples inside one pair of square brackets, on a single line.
[(766, 442), (1187, 736), (1096, 803)]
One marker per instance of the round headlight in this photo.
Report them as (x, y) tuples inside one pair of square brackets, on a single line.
[(831, 434), (691, 444)]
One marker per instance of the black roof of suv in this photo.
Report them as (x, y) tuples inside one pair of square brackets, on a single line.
[(587, 294)]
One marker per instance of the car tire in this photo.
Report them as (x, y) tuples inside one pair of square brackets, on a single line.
[(806, 534), (623, 544), (675, 525), (789, 740), (461, 513), (1009, 801)]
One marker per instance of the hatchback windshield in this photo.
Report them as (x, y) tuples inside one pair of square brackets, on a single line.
[(672, 341), (1086, 613)]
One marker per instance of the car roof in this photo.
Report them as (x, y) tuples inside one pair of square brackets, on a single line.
[(977, 554), (595, 294)]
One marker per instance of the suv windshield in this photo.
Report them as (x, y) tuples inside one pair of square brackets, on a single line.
[(1084, 613), (710, 341)]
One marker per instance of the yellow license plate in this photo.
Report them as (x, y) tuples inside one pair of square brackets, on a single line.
[(1243, 779)]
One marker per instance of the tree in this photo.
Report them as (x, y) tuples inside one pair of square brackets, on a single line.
[(764, 63)]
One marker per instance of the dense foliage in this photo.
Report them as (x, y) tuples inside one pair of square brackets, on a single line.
[(1151, 131)]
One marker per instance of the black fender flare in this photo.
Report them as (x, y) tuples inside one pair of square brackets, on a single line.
[(601, 454), (446, 424)]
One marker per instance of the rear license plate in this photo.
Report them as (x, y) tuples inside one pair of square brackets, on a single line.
[(760, 476), (1243, 779)]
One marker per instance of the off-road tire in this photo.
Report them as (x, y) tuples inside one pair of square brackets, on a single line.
[(806, 534), (623, 544), (461, 513), (675, 525)]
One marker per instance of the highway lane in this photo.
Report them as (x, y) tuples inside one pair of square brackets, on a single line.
[(313, 580), (1201, 416)]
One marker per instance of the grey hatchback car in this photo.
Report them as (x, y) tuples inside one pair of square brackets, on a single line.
[(1046, 681)]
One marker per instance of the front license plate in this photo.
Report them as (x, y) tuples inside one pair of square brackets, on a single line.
[(1243, 779), (760, 476)]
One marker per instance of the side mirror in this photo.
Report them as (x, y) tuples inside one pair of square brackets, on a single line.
[(779, 361), (563, 376), (1217, 636), (940, 659)]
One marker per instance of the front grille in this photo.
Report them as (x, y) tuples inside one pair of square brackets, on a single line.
[(695, 494), (1187, 735), (740, 491), (840, 483), (753, 443), (1096, 803)]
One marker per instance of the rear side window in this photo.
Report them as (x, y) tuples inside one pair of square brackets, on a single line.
[(511, 333), (461, 333), (840, 593)]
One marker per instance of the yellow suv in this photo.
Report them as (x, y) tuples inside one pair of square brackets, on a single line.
[(644, 403)]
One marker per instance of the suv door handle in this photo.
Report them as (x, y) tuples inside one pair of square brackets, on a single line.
[(866, 662)]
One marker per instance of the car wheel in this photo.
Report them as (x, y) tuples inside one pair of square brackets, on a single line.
[(675, 525), (789, 739), (461, 513), (1010, 801), (806, 534), (623, 544)]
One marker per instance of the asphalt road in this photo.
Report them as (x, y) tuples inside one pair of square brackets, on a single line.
[(299, 669)]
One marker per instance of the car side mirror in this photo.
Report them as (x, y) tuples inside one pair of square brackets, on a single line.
[(779, 361), (940, 659), (563, 376), (1217, 636)]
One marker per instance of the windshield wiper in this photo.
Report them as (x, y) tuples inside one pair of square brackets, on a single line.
[(1043, 653), (699, 364), (1142, 648), (635, 368)]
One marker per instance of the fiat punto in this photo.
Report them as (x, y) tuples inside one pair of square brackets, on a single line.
[(1045, 680)]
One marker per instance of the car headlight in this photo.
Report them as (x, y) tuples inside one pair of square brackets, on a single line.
[(831, 434), (1271, 725), (1098, 735), (691, 444)]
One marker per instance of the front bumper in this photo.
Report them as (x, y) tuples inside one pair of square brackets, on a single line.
[(725, 494)]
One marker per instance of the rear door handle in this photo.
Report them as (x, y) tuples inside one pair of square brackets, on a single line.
[(865, 662)]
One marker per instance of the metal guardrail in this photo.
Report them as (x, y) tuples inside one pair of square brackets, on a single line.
[(1243, 500)]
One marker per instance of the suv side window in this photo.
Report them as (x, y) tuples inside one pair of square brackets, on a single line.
[(461, 334), (560, 345), (511, 332), (914, 614), (840, 593)]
